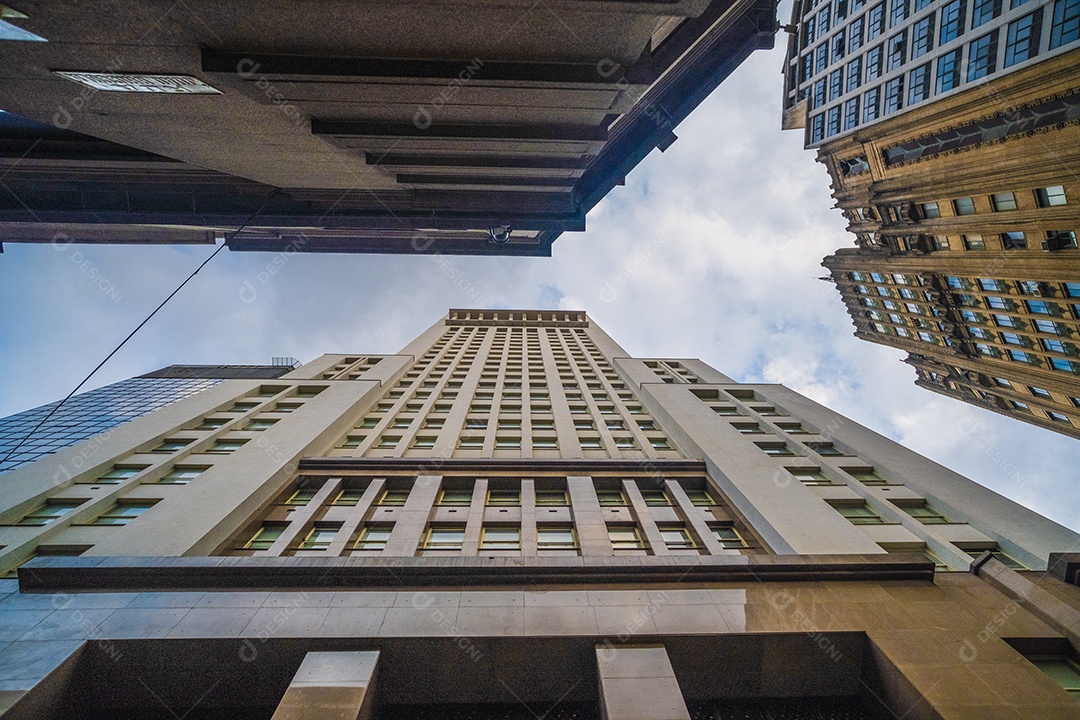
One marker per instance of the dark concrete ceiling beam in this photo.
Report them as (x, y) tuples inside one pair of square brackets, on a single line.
[(534, 133)]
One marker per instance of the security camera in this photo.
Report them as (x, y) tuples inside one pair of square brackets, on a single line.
[(500, 235)]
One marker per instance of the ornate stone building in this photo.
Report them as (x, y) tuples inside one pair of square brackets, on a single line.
[(513, 518)]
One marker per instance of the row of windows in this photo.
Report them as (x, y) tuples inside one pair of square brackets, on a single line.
[(1019, 41), (461, 495), (451, 537)]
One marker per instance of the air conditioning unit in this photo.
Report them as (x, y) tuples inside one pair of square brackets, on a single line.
[(1058, 242)]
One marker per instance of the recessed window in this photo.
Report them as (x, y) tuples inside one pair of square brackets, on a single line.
[(590, 444), (551, 498), (964, 206), (809, 476), (119, 473), (625, 537), (1051, 196), (265, 537), (859, 514), (124, 512), (1003, 201), (424, 442), (504, 497), (1058, 417), (827, 449), (445, 537), (925, 514), (555, 537), (655, 497), (211, 423), (260, 424), (394, 497), (507, 443), (51, 510), (500, 538), (611, 497), (997, 554), (373, 537), (388, 441), (676, 537), (459, 497), (867, 477), (729, 537), (243, 406), (776, 450), (224, 447), (319, 537), (349, 497), (974, 242), (660, 443), (171, 445)]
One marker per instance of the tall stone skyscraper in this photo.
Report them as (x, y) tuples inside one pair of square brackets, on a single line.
[(513, 518), (951, 139)]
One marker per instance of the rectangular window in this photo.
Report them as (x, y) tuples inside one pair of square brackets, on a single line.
[(922, 36), (728, 537), (872, 104), (551, 498), (854, 74), (1051, 196), (897, 51), (224, 447), (50, 511), (851, 113), (875, 21), (499, 497), (611, 498), (776, 450), (894, 94), (983, 11), (182, 474), (860, 514), (952, 22), (625, 537), (169, 446), (919, 84), (373, 537), (676, 537), (809, 476), (836, 84), (818, 96), (655, 497), (974, 242), (264, 537), (123, 513), (948, 71), (1022, 38), (982, 56), (821, 58), (832, 125), (500, 538), (349, 497), (839, 46), (964, 206), (319, 537), (898, 12), (925, 514), (855, 34), (396, 497), (1014, 241), (555, 537), (873, 62), (457, 497), (259, 425), (1065, 26), (826, 449), (1003, 201), (445, 537)]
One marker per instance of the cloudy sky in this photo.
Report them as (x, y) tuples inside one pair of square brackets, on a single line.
[(711, 250)]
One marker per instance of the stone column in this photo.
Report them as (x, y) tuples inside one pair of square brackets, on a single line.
[(331, 686), (638, 683)]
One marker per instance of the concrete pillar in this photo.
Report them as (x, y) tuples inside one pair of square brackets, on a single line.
[(331, 686), (638, 683)]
